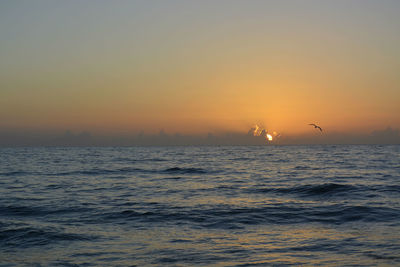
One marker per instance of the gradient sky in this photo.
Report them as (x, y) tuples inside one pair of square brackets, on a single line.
[(199, 66)]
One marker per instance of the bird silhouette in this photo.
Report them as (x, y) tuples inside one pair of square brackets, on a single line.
[(316, 126)]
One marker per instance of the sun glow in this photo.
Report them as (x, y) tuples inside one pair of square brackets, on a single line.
[(262, 132)]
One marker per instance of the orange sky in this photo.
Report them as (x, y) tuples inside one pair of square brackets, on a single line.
[(198, 67)]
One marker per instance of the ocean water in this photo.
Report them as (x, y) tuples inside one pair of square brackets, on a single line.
[(200, 206)]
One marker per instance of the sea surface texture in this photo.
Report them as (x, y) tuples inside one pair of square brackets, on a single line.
[(200, 206)]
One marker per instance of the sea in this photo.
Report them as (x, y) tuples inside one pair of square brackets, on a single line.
[(328, 205)]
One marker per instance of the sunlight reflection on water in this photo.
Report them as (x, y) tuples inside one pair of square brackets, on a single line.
[(332, 205)]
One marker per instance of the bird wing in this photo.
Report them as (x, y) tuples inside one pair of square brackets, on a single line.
[(315, 126)]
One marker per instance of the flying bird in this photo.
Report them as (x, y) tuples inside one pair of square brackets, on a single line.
[(316, 126)]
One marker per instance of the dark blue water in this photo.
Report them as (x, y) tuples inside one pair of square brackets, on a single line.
[(209, 206)]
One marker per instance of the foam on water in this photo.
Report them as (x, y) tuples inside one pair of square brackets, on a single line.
[(228, 206)]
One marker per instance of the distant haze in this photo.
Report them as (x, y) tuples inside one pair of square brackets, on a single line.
[(68, 138), (208, 70)]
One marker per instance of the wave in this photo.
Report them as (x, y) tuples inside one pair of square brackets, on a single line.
[(322, 189), (130, 170), (100, 171), (127, 159), (96, 171), (29, 236), (15, 173), (329, 190), (242, 159), (27, 211), (234, 218), (392, 188), (186, 170), (310, 190)]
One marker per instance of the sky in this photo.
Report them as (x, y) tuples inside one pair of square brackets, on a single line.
[(198, 67)]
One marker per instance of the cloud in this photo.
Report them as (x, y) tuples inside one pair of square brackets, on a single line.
[(386, 136)]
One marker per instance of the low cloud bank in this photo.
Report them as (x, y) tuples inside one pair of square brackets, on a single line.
[(380, 137), (10, 138)]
